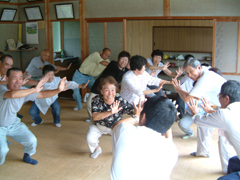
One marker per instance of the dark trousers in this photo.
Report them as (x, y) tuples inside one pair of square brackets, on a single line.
[(56, 109), (233, 165), (233, 169), (159, 93), (181, 106), (232, 176)]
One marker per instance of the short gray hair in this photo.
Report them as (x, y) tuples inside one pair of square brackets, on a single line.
[(192, 62)]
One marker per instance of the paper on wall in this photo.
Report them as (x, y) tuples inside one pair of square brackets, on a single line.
[(32, 33)]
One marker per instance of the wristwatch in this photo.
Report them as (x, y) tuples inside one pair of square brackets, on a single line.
[(136, 118)]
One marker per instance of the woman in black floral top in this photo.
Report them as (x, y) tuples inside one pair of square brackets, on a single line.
[(107, 109)]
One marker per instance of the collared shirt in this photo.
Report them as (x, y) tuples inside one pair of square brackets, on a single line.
[(226, 119), (98, 105), (44, 103), (92, 66), (132, 86)]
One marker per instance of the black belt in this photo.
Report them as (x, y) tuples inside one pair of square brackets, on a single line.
[(82, 73)]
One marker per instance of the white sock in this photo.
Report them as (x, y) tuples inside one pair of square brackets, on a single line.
[(96, 153)]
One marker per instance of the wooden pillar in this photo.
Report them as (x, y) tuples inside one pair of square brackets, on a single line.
[(214, 42), (49, 39), (124, 34), (83, 30), (84, 39), (166, 7)]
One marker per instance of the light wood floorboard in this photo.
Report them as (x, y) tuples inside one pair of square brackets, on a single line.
[(63, 154)]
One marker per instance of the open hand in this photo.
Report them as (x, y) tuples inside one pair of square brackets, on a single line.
[(114, 107), (193, 105), (206, 106), (42, 82), (138, 109), (153, 73), (160, 86), (166, 65), (25, 74), (62, 86), (84, 85), (176, 84), (25, 80), (180, 71)]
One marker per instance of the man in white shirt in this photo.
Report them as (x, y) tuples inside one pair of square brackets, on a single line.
[(208, 85), (225, 118), (143, 152), (37, 63), (134, 82), (12, 97)]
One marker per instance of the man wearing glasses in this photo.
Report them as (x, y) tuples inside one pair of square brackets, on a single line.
[(227, 119)]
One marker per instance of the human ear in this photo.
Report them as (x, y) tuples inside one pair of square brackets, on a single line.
[(227, 100)]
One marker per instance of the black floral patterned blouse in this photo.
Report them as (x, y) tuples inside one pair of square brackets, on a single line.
[(98, 105)]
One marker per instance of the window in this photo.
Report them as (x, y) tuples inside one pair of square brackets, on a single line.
[(56, 36)]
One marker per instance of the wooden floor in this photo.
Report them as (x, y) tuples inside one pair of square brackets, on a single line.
[(63, 154)]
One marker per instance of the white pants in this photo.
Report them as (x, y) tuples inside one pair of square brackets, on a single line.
[(226, 151), (204, 140), (89, 104), (94, 133), (19, 132), (204, 134)]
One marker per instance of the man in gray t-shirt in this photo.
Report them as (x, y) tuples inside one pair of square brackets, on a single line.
[(12, 97), (37, 63)]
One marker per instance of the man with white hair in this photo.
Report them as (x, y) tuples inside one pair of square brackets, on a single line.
[(208, 85)]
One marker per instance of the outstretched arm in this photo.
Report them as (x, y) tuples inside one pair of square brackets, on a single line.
[(183, 94), (166, 65), (162, 82), (59, 68), (100, 115), (174, 74), (19, 93), (29, 82), (25, 92), (49, 93), (137, 111)]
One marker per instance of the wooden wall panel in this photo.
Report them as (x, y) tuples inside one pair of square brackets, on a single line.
[(192, 39), (142, 44)]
